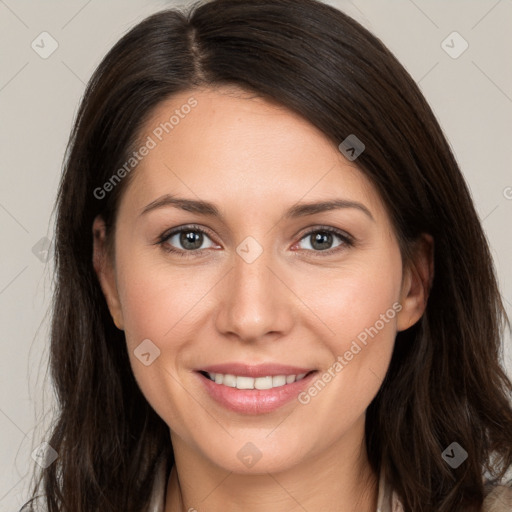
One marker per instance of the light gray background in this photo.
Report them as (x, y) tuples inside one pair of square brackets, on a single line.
[(471, 96)]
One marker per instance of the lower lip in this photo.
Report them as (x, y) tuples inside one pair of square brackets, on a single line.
[(255, 401)]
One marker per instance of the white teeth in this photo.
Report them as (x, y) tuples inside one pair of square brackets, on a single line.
[(278, 380), (242, 382), (263, 383), (229, 380)]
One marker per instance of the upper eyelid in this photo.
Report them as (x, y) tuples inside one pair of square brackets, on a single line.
[(191, 227)]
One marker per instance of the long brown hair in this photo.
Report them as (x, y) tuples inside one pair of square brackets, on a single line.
[(444, 383)]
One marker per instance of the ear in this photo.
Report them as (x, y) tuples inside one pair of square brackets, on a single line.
[(105, 271), (416, 283)]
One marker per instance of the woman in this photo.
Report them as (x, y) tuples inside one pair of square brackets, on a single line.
[(208, 352)]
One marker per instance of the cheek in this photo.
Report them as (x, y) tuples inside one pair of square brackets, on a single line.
[(357, 310), (166, 305), (356, 298), (158, 306), (157, 298), (147, 306), (348, 383)]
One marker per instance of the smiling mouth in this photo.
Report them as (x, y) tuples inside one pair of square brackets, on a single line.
[(243, 382)]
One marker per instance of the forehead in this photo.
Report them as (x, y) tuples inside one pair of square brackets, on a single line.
[(226, 144)]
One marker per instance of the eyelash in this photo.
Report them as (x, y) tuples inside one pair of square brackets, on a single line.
[(347, 240)]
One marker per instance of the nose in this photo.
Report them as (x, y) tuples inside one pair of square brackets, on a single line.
[(254, 301)]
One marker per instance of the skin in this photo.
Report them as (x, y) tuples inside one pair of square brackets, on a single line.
[(293, 304)]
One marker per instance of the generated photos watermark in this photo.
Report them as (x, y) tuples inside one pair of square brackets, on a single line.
[(341, 361), (151, 142)]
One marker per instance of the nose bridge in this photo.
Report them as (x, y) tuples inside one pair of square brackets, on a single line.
[(254, 302)]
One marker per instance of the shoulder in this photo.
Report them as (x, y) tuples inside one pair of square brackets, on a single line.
[(498, 499), (498, 493), (497, 496)]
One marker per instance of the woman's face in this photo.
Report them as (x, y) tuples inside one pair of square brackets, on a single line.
[(264, 292)]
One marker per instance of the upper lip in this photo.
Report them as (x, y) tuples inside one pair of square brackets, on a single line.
[(259, 370)]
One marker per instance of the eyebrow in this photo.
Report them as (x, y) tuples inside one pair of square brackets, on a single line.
[(298, 210)]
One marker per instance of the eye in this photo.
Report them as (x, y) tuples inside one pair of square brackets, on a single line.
[(321, 239), (187, 241), (190, 238)]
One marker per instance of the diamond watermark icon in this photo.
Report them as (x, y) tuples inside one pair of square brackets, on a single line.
[(44, 455), (44, 45), (454, 45), (454, 455), (146, 352), (249, 249), (249, 454), (351, 147), (42, 249)]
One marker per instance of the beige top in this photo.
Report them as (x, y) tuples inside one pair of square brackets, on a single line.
[(498, 498)]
